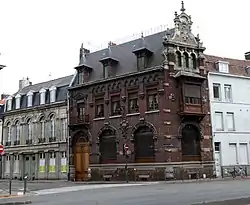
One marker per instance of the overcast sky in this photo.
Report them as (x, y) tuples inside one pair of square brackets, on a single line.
[(39, 37)]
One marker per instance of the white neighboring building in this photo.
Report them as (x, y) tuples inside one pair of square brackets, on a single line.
[(229, 84)]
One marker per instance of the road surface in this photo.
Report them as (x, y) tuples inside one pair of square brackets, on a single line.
[(154, 194)]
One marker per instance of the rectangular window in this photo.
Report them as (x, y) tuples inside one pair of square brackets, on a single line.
[(223, 67), (99, 107), (152, 100), (141, 62), (42, 98), (64, 162), (230, 121), (217, 146), (30, 97), (219, 121), (228, 92), (81, 111), (80, 76), (133, 105), (18, 101), (42, 162), (232, 154), (243, 154), (52, 95), (52, 162), (64, 129), (192, 94), (16, 164), (115, 105), (9, 105), (216, 91), (105, 71)]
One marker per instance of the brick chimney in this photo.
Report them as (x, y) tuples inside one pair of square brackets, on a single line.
[(247, 55)]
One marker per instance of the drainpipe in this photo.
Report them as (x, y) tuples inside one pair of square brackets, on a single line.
[(69, 137)]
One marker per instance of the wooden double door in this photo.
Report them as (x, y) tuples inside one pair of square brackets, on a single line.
[(81, 161)]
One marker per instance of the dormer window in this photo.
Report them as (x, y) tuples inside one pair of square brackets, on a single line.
[(18, 101), (84, 69), (9, 103), (222, 66), (52, 91), (42, 93), (30, 99), (142, 53)]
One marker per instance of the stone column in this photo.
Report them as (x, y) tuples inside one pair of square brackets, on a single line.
[(21, 165), (46, 153)]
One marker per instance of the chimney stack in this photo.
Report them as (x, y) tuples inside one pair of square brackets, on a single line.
[(247, 55), (24, 82)]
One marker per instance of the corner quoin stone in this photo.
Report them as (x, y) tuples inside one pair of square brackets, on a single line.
[(15, 202)]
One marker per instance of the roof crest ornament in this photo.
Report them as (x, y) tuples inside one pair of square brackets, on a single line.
[(182, 7)]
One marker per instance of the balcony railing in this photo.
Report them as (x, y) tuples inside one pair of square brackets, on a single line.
[(41, 140), (29, 142), (52, 139), (82, 119)]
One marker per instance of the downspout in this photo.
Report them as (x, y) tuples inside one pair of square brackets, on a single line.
[(69, 137)]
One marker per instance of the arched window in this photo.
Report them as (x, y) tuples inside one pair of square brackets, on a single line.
[(8, 133), (108, 147), (178, 59), (29, 126), (193, 61), (186, 60), (17, 133), (51, 128), (144, 144), (42, 128), (190, 143)]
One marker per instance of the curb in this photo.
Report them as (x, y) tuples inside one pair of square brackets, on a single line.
[(15, 202)]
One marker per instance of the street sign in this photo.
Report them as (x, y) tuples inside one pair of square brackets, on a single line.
[(126, 147), (1, 149)]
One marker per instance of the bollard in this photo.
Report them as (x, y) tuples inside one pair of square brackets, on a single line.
[(25, 184), (10, 184)]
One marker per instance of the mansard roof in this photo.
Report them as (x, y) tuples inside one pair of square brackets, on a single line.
[(124, 54)]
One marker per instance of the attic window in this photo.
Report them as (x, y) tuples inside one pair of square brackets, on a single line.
[(18, 101), (222, 67), (9, 104), (141, 62), (30, 98), (52, 94), (42, 96)]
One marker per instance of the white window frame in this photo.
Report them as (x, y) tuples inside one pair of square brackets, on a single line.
[(29, 98), (30, 127), (52, 94), (9, 103), (219, 87), (9, 132), (222, 121), (18, 130), (223, 66), (232, 115), (42, 93), (227, 86), (18, 101)]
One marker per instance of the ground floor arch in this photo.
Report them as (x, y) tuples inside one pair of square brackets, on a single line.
[(190, 143), (144, 144)]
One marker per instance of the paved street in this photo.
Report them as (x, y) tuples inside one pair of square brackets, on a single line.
[(153, 194)]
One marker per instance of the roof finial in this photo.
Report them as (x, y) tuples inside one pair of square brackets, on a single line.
[(142, 35), (182, 7)]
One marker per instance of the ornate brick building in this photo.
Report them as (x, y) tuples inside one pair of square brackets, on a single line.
[(150, 94)]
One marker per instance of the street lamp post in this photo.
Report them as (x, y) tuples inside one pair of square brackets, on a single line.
[(126, 151)]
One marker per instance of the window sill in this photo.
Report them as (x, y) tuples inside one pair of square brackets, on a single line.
[(133, 114), (115, 116), (152, 111), (99, 118)]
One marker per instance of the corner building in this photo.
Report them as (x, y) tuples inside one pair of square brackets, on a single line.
[(151, 94)]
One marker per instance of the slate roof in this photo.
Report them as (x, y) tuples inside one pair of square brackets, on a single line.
[(61, 92), (127, 61), (236, 66)]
